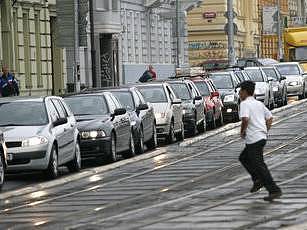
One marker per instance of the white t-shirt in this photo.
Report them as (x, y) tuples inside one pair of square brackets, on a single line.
[(257, 114)]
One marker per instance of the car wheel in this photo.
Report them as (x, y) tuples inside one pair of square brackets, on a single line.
[(53, 167), (171, 136), (286, 100), (131, 151), (221, 120), (140, 145), (193, 129), (202, 126), (112, 153), (180, 135), (75, 164), (153, 143), (1, 172)]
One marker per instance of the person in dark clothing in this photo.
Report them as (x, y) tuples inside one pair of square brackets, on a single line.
[(148, 75), (256, 121), (8, 84)]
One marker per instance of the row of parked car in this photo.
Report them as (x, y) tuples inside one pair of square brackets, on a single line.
[(106, 124)]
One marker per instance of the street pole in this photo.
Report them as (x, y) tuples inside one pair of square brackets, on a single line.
[(279, 33), (231, 49), (177, 35), (93, 50)]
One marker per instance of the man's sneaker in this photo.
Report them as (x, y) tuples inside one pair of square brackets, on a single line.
[(272, 196), (256, 187)]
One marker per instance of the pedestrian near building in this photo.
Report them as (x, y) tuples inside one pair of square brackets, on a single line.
[(256, 122), (8, 84), (149, 75)]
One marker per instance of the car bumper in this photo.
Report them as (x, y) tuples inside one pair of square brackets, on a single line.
[(162, 130), (230, 109), (294, 90), (27, 159), (95, 148)]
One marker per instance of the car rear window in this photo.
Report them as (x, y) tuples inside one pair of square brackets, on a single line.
[(87, 105), (255, 75), (222, 81), (153, 94), (203, 88), (23, 113), (182, 91), (288, 69), (125, 98)]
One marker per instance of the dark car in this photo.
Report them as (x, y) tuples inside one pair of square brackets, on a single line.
[(212, 100), (3, 159), (104, 126), (193, 106), (226, 83), (141, 115), (279, 85)]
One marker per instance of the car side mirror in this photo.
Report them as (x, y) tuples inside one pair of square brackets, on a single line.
[(215, 94), (282, 78), (142, 107), (118, 112), (60, 121), (176, 102), (270, 79)]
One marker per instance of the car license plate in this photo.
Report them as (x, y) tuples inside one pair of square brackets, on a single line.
[(9, 157)]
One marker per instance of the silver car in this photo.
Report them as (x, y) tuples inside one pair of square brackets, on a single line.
[(40, 134), (264, 86), (295, 78), (167, 108)]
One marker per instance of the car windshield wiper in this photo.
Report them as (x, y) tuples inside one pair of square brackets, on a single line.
[(13, 124)]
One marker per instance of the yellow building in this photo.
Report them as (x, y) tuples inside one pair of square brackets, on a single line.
[(207, 37), (27, 46), (269, 43)]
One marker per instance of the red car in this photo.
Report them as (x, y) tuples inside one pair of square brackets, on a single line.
[(212, 99)]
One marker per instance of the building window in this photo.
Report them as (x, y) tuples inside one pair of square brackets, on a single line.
[(26, 35), (38, 51)]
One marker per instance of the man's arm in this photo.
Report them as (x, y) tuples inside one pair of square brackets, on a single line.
[(269, 123), (244, 125)]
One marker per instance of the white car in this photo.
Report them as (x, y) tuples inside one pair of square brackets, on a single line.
[(167, 107), (264, 88), (295, 77), (40, 134)]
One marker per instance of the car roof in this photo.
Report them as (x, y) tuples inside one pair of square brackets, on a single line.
[(218, 73), (288, 63), (253, 68), (150, 84), (30, 99), (89, 93)]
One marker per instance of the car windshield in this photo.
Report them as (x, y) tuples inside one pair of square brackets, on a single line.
[(23, 113), (270, 72), (154, 94), (222, 81), (88, 105), (125, 98), (255, 75), (181, 90), (288, 69), (203, 88)]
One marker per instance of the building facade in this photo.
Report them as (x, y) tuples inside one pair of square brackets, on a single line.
[(207, 36), (28, 48)]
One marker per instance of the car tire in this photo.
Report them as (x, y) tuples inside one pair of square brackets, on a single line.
[(131, 152), (75, 164), (112, 152), (171, 136), (285, 100), (202, 126), (52, 171), (180, 135), (193, 129), (153, 143), (140, 148), (2, 172), (221, 120)]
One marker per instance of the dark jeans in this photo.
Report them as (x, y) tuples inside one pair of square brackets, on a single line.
[(252, 159)]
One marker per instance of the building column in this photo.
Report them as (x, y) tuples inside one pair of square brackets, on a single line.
[(7, 38)]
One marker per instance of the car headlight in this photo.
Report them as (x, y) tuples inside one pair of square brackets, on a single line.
[(275, 89), (160, 115), (229, 98), (293, 83), (34, 141), (93, 134)]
